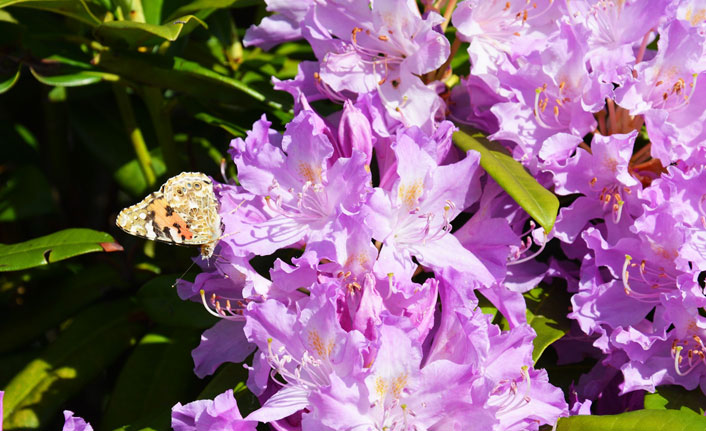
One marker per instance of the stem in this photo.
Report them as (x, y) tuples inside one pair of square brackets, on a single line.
[(133, 130), (162, 127), (611, 116), (454, 49), (447, 14), (643, 47), (131, 10)]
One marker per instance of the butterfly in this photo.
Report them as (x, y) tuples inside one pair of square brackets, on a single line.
[(184, 211)]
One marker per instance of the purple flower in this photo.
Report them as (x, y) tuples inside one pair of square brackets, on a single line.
[(74, 423), (669, 91), (281, 27), (382, 47), (221, 413), (615, 30), (602, 177), (413, 220), (499, 32), (291, 190)]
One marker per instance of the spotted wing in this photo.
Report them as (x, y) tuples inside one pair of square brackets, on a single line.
[(154, 219)]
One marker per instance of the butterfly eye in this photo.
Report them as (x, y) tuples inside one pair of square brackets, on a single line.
[(197, 186)]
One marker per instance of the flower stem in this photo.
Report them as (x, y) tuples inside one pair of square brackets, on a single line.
[(133, 130)]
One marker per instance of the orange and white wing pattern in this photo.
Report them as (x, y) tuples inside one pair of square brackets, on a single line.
[(183, 211)]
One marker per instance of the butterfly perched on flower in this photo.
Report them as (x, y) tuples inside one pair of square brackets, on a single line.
[(184, 211)]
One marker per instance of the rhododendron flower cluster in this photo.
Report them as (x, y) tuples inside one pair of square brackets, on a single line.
[(397, 235)]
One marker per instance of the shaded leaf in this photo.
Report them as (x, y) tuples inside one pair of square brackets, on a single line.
[(676, 398), (51, 248), (76, 9), (200, 5), (25, 193), (58, 302), (541, 204), (157, 374), (181, 75), (161, 302), (93, 340), (641, 420), (546, 314), (132, 34), (9, 74)]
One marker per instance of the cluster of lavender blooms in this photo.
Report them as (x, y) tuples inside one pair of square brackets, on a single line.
[(375, 324)]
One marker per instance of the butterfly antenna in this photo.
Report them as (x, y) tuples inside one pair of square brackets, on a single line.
[(182, 275)]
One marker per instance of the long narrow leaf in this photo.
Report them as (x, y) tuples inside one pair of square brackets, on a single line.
[(540, 203)]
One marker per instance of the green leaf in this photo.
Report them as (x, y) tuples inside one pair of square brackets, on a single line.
[(63, 70), (676, 397), (92, 341), (156, 375), (131, 34), (58, 302), (9, 74), (229, 376), (53, 248), (199, 5), (182, 75), (76, 9), (161, 302), (540, 203), (641, 420), (546, 314), (25, 193)]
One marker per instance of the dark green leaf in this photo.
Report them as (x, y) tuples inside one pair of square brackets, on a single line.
[(9, 74), (200, 5), (182, 75), (58, 302), (159, 299), (69, 76), (132, 34), (25, 193), (540, 203), (546, 313), (77, 9), (641, 420), (53, 248), (93, 341), (157, 375), (676, 397)]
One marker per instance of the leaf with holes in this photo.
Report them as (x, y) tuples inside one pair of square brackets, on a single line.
[(53, 248)]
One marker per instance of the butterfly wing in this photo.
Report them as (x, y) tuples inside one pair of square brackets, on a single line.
[(184, 211)]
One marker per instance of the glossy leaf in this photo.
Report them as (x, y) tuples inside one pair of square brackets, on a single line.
[(76, 9), (641, 420), (93, 340), (159, 299), (133, 34), (68, 76), (200, 5), (157, 374), (51, 248), (676, 397), (9, 74), (541, 204), (182, 75), (546, 314)]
